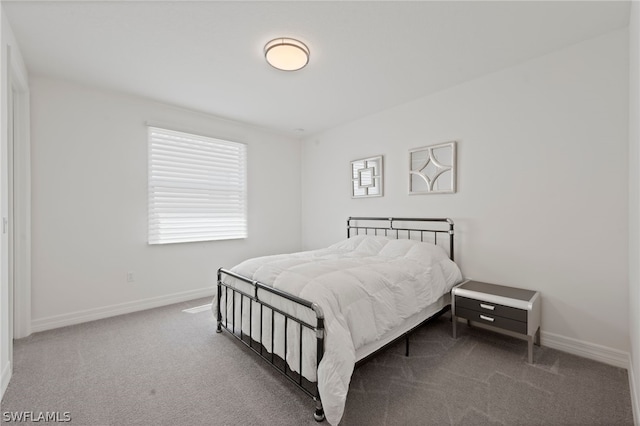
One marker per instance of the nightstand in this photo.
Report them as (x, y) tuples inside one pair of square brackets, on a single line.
[(499, 306)]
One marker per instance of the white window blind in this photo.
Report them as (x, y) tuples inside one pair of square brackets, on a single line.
[(197, 188)]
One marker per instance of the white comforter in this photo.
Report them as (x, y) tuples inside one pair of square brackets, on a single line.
[(365, 285)]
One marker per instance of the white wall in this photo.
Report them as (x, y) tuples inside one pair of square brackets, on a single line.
[(634, 204), (89, 222), (11, 66), (543, 178)]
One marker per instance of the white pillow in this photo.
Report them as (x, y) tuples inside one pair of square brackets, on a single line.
[(427, 250), (398, 248), (348, 244), (414, 250), (368, 244)]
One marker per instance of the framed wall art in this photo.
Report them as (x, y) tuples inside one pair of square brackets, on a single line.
[(432, 169), (366, 177)]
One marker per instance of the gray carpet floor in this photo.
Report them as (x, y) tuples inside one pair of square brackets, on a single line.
[(167, 367)]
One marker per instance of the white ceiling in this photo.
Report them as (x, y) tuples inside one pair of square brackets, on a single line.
[(365, 56)]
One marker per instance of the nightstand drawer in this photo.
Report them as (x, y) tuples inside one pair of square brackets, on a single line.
[(491, 309), (491, 319)]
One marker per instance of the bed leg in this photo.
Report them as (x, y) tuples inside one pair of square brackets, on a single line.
[(406, 349), (218, 312), (318, 415)]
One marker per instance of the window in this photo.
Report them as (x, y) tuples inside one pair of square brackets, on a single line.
[(197, 188)]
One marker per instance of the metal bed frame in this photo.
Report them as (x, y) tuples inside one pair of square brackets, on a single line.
[(409, 227)]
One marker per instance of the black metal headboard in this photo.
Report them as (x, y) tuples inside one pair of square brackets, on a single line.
[(401, 227)]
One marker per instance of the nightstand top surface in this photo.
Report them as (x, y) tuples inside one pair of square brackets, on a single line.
[(497, 290)]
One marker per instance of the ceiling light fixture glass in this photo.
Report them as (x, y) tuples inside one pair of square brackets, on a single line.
[(286, 54)]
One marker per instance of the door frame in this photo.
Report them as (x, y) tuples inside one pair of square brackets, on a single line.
[(20, 211)]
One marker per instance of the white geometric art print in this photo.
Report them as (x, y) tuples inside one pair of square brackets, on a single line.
[(432, 169), (366, 177)]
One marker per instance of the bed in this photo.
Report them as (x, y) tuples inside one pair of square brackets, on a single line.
[(315, 315)]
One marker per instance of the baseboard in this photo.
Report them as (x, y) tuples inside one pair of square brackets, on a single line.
[(584, 349), (78, 317), (6, 377), (635, 392)]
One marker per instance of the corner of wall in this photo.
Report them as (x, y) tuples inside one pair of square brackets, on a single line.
[(634, 207)]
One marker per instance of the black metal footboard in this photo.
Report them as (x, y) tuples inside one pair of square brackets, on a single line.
[(230, 293)]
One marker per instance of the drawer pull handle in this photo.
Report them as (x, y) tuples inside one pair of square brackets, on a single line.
[(486, 318), (489, 307)]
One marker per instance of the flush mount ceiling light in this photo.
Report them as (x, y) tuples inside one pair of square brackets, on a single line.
[(286, 54)]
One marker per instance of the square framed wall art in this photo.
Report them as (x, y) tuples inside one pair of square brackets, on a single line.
[(432, 169), (366, 177)]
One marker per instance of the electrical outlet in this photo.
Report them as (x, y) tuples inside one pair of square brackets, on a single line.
[(130, 277)]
